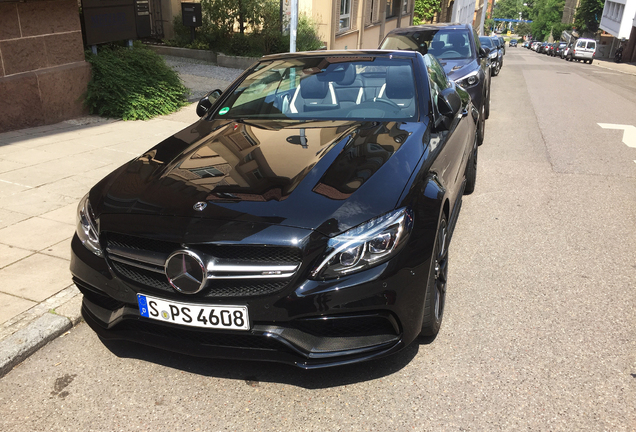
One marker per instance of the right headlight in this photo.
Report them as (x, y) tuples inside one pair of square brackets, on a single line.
[(87, 227), (366, 245), (468, 80)]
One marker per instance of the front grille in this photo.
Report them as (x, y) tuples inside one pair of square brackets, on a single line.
[(204, 337), (214, 288), (141, 261)]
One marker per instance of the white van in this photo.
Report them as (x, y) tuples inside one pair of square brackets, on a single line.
[(583, 49)]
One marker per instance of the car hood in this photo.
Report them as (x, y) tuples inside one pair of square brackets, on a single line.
[(324, 176), (456, 69)]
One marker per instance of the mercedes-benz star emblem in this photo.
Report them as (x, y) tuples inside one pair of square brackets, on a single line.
[(200, 206), (186, 272)]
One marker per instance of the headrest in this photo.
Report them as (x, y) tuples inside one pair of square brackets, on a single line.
[(456, 39), (399, 82), (438, 45), (311, 88), (348, 76)]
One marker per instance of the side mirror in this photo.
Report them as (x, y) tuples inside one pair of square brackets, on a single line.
[(449, 103), (207, 101), (484, 52)]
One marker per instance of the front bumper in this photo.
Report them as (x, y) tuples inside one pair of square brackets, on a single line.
[(311, 325)]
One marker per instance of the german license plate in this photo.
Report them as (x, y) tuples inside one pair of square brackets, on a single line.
[(194, 315)]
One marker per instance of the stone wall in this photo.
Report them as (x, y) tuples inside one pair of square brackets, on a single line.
[(43, 75)]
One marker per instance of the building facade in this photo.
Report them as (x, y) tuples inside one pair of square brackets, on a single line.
[(619, 20), (43, 74)]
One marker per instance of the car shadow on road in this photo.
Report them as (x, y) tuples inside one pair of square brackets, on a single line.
[(253, 372)]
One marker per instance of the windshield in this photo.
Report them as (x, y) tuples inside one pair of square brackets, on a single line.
[(333, 88), (444, 44), (486, 41)]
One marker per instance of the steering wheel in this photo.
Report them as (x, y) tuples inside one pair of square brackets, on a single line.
[(454, 54), (388, 102)]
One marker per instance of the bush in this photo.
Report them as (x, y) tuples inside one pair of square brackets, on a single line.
[(132, 84), (307, 34)]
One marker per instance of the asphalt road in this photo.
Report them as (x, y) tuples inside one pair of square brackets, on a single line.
[(539, 332)]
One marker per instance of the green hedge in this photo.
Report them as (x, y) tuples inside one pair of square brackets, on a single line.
[(132, 84)]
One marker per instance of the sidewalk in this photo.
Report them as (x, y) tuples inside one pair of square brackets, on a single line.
[(44, 172), (628, 68)]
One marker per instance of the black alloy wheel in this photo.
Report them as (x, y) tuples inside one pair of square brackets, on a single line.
[(435, 299)]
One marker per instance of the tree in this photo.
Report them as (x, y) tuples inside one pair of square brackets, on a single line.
[(523, 29), (546, 18), (425, 10), (507, 9), (588, 16)]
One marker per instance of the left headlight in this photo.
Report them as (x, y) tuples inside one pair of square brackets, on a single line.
[(469, 80), (366, 245), (493, 54), (87, 228)]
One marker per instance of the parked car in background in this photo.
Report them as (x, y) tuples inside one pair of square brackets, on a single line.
[(542, 48), (560, 46), (583, 49), (566, 50), (551, 49), (496, 56), (212, 244), (497, 42), (458, 49), (535, 46), (513, 43), (503, 43)]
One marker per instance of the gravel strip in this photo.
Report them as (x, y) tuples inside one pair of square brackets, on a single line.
[(201, 68)]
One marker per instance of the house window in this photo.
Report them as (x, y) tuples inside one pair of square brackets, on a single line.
[(405, 6), (345, 14), (392, 7)]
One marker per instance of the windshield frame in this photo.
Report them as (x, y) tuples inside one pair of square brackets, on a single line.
[(300, 68)]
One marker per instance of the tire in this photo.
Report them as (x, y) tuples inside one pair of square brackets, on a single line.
[(487, 108), (497, 69), (590, 62), (435, 297), (481, 126), (471, 170)]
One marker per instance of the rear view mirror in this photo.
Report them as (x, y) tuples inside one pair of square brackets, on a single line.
[(483, 52), (449, 102), (207, 101)]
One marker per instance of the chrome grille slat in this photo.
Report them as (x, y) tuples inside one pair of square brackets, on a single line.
[(136, 264), (146, 257)]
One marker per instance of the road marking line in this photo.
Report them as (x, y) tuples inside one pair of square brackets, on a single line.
[(21, 185), (629, 132)]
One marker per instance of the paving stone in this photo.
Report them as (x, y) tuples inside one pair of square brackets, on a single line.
[(36, 278), (11, 254), (12, 306), (36, 233)]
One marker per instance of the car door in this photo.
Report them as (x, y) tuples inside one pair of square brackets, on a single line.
[(454, 142)]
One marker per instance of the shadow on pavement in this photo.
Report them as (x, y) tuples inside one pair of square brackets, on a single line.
[(253, 372)]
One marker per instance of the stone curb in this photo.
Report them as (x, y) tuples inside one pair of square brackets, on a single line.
[(18, 346), (26, 341)]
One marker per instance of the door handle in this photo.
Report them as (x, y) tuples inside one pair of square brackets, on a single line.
[(464, 112)]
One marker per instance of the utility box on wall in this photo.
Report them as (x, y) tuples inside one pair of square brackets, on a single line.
[(191, 13), (113, 20), (109, 20), (142, 18)]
